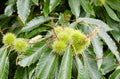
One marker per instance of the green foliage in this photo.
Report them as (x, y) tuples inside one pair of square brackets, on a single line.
[(46, 66), (66, 65), (59, 47), (23, 9), (4, 63), (115, 75), (34, 23), (21, 73), (40, 23), (75, 7)]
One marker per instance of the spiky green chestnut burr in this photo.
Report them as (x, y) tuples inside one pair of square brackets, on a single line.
[(86, 42), (9, 39), (59, 47), (78, 48), (68, 30), (77, 36), (20, 45), (63, 36), (81, 46), (58, 29)]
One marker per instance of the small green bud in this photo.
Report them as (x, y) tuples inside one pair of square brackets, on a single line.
[(59, 47), (9, 39), (20, 45)]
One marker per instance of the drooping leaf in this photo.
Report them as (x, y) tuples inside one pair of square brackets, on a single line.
[(27, 60), (82, 70), (111, 13), (46, 65), (115, 75), (87, 7), (23, 7), (34, 23), (66, 65), (21, 73), (4, 64), (75, 7), (110, 43)]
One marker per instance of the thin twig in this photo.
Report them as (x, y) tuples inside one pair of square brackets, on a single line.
[(52, 25), (1, 32), (17, 58), (90, 35), (96, 58), (73, 48), (47, 43)]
